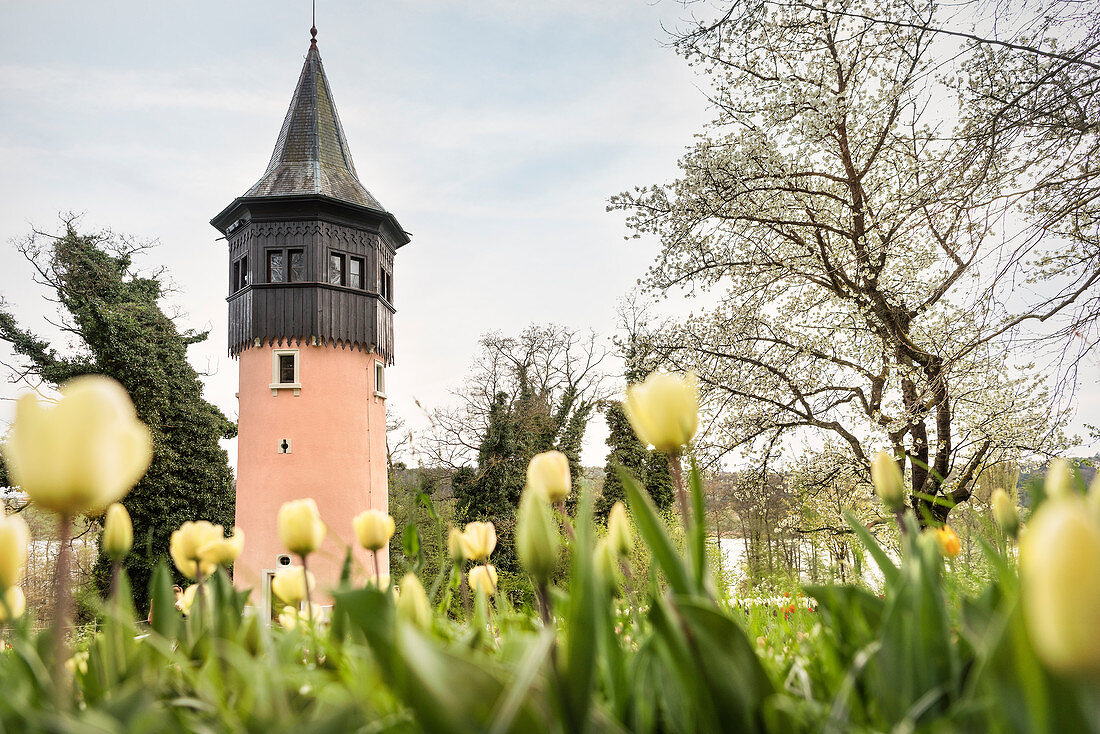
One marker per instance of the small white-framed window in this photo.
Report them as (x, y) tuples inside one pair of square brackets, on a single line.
[(285, 371), (379, 379)]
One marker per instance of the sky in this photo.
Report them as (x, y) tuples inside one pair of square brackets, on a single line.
[(495, 131)]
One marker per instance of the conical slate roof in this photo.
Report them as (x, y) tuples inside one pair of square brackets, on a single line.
[(311, 155)]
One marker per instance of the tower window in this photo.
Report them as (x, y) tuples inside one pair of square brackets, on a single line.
[(336, 268), (285, 370), (276, 267), (385, 284), (240, 274), (286, 266), (379, 379), (297, 265), (355, 272)]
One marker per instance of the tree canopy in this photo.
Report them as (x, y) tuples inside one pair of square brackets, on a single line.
[(525, 395), (852, 247), (114, 313)]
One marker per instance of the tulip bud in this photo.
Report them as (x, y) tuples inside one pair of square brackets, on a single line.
[(948, 542), (1060, 574), (78, 663), (607, 563), (664, 410), (483, 579), (888, 481), (186, 547), (222, 551), (381, 582), (454, 546), (479, 540), (14, 537), (81, 454), (1059, 480), (1005, 513), (618, 530), (118, 533), (12, 604), (548, 473), (253, 636), (928, 546), (300, 526), (374, 529), (289, 584), (537, 537), (288, 618), (412, 604)]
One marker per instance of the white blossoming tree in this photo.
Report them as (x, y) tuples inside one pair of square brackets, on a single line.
[(850, 247)]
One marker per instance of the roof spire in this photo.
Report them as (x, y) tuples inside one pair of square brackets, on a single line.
[(311, 155), (313, 30)]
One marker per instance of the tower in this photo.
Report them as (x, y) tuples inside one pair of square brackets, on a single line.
[(311, 256)]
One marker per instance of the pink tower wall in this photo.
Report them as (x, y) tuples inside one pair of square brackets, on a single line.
[(337, 430)]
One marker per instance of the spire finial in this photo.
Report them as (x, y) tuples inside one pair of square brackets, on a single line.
[(313, 30)]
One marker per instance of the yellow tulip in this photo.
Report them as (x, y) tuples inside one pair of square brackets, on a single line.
[(379, 582), (78, 663), (222, 551), (14, 537), (664, 410), (187, 545), (118, 533), (81, 454), (289, 584), (288, 618), (300, 526), (454, 546), (948, 541), (12, 604), (483, 579), (412, 604), (1060, 572), (374, 529), (291, 617), (1005, 513), (537, 537), (888, 481), (1058, 482), (548, 473), (618, 530), (479, 540)]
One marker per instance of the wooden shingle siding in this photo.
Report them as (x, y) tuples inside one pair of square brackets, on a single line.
[(295, 312)]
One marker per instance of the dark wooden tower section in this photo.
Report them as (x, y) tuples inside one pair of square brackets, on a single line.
[(311, 251)]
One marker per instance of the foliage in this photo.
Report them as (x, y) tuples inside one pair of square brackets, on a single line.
[(670, 656), (115, 314), (527, 394), (539, 387), (421, 516)]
